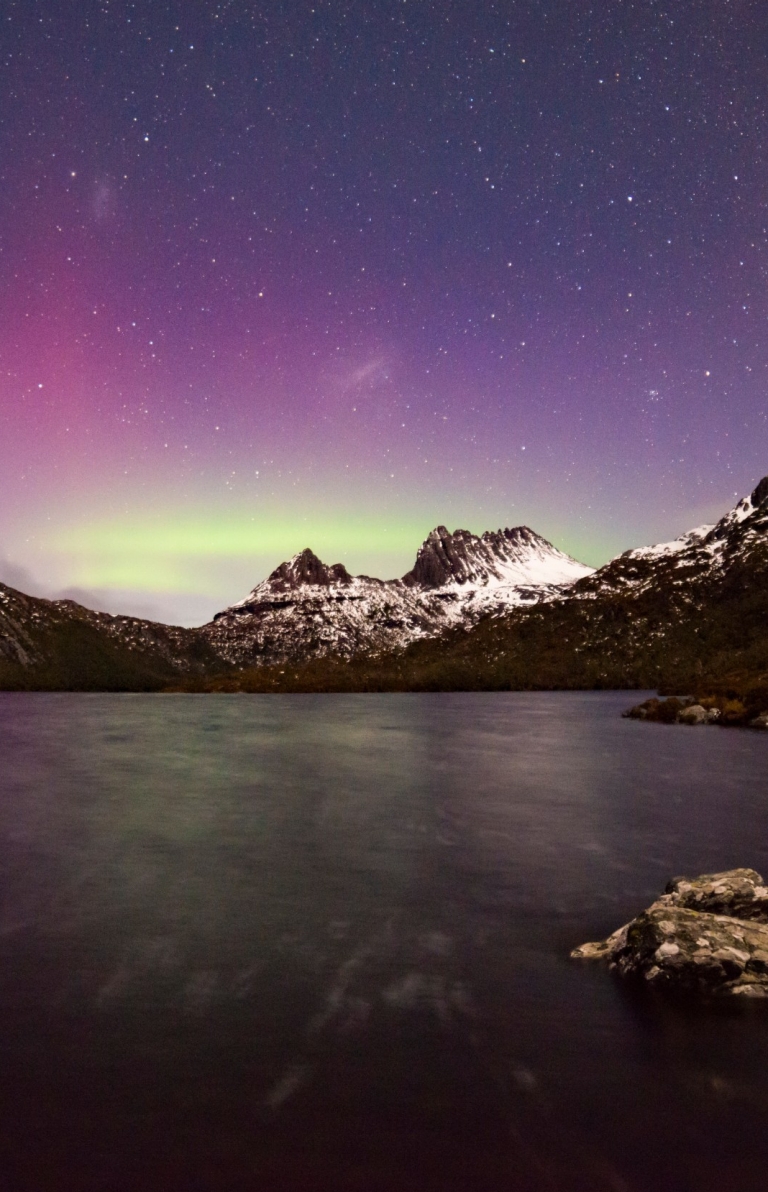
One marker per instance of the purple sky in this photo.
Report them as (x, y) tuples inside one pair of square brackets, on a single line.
[(327, 274)]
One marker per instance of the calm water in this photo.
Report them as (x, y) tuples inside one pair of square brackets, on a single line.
[(320, 942)]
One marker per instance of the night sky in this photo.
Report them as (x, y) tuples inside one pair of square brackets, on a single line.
[(328, 274)]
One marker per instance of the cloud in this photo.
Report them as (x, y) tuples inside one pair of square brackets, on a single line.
[(103, 200), (111, 602), (20, 578), (370, 375), (188, 609), (374, 370)]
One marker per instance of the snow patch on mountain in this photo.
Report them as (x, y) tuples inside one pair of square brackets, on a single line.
[(706, 553), (675, 547)]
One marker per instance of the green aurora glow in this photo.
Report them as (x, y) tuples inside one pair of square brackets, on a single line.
[(162, 556)]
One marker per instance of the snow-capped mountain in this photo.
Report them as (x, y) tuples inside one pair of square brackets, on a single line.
[(306, 608), (499, 558), (707, 554)]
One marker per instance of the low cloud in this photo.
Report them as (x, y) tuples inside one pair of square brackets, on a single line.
[(112, 602), (177, 608), (20, 578)]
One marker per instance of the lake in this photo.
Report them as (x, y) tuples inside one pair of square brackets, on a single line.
[(321, 943)]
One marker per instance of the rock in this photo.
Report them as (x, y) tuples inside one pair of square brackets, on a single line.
[(666, 711), (695, 714), (739, 893), (677, 710), (708, 935)]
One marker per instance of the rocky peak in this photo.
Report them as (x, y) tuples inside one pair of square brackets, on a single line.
[(516, 555), (441, 557), (751, 510), (760, 493), (306, 568)]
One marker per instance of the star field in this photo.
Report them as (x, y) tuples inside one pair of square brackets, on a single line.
[(327, 274)]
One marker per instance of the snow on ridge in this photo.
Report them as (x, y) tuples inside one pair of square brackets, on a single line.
[(740, 513), (532, 567), (675, 547), (743, 509)]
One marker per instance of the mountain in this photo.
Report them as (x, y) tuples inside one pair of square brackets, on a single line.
[(502, 610), (59, 645), (307, 609), (708, 554), (502, 559)]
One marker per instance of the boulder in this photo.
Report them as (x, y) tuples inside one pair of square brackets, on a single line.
[(695, 714), (706, 935)]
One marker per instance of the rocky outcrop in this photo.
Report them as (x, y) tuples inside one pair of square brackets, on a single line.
[(304, 573), (722, 710), (674, 711), (306, 568), (740, 893), (706, 935)]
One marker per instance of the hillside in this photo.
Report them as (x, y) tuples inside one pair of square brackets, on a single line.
[(57, 645)]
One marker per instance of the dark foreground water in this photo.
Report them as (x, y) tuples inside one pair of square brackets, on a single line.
[(321, 942)]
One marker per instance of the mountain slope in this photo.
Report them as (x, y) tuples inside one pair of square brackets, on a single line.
[(704, 555), (59, 645)]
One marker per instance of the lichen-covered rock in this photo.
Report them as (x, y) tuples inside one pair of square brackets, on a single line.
[(740, 893), (682, 941)]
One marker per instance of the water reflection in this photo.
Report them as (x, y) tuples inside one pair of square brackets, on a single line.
[(321, 942)]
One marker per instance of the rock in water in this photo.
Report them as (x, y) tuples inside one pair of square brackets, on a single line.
[(708, 935), (739, 893)]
